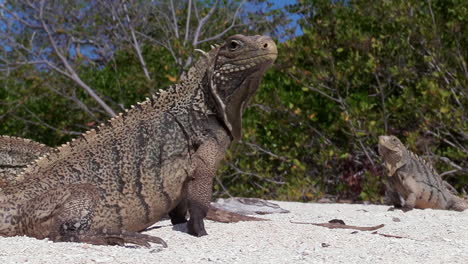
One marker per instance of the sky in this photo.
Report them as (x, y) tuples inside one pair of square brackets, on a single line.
[(294, 17), (278, 4)]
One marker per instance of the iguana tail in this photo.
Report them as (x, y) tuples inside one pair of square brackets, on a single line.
[(457, 204)]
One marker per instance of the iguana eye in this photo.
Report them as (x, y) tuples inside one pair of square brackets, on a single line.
[(233, 45)]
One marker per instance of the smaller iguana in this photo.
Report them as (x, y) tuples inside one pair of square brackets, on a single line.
[(417, 183)]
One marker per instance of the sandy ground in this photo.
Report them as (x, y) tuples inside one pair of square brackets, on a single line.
[(429, 236)]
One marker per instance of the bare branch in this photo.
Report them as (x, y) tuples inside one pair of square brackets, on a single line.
[(337, 100), (136, 45), (174, 20), (217, 36), (202, 22), (448, 141), (443, 174), (40, 122), (382, 101), (453, 164), (73, 75), (257, 147), (76, 100), (239, 171), (220, 183), (187, 24)]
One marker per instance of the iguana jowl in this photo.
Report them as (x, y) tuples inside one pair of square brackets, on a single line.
[(158, 157), (414, 180)]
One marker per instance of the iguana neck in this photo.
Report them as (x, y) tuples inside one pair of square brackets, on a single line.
[(396, 159)]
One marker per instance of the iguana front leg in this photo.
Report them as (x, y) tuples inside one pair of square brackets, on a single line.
[(411, 187), (205, 164)]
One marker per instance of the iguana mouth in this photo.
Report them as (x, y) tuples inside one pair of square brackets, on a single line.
[(271, 56), (245, 64)]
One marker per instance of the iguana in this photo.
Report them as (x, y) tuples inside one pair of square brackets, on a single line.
[(417, 183), (157, 157), (15, 154)]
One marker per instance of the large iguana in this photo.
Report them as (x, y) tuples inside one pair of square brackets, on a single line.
[(415, 181), (16, 153), (158, 157)]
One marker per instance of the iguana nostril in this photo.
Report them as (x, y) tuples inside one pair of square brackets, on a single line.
[(265, 45)]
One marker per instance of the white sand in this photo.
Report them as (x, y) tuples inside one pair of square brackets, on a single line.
[(431, 236)]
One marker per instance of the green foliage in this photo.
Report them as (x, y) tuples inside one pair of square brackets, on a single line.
[(361, 69), (50, 116)]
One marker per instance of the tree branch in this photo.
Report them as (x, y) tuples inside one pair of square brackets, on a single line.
[(217, 36), (187, 24), (202, 22), (136, 45), (73, 75), (174, 20)]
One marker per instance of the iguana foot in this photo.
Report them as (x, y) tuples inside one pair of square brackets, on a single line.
[(406, 209), (195, 225), (120, 239), (196, 228), (402, 208)]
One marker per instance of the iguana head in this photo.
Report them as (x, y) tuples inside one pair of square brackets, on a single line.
[(392, 151), (237, 68)]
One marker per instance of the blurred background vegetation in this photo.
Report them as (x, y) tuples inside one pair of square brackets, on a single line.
[(347, 72)]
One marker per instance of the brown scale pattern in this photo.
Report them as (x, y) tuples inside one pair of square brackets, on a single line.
[(15, 154)]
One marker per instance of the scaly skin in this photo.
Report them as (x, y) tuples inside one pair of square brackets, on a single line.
[(414, 180), (158, 157), (15, 154)]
